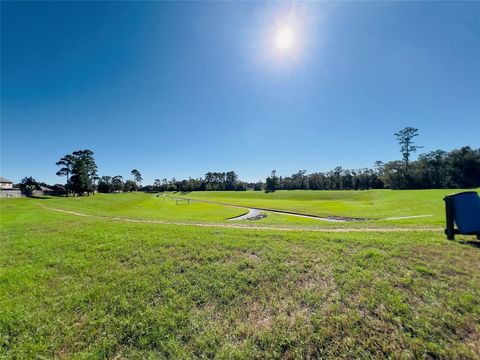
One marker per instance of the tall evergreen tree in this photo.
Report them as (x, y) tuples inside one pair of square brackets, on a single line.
[(271, 182), (66, 164), (80, 166), (137, 177), (407, 147)]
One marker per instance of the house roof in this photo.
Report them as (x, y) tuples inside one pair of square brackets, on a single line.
[(44, 188), (3, 180)]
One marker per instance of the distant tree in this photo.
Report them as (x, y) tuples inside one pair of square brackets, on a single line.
[(172, 185), (393, 175), (430, 170), (271, 182), (137, 177), (157, 185), (28, 185), (258, 186), (95, 180), (378, 167), (66, 169), (209, 181), (407, 146), (86, 157), (117, 183), (130, 186), (230, 180), (220, 180), (463, 168), (240, 186), (81, 181), (105, 184), (299, 180), (81, 171)]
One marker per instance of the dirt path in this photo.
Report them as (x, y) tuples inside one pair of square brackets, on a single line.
[(238, 226)]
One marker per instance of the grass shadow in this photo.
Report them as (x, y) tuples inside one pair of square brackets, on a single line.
[(473, 243)]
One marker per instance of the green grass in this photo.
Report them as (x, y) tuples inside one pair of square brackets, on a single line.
[(371, 204), (77, 287), (141, 205)]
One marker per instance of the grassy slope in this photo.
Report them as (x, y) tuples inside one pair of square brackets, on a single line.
[(373, 204), (79, 287), (141, 205)]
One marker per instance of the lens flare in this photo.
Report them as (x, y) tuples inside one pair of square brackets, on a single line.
[(284, 38)]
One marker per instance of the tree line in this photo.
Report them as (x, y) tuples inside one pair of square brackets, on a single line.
[(438, 169), (213, 181), (115, 184), (459, 168)]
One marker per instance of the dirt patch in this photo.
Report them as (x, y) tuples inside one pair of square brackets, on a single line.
[(258, 217), (343, 218)]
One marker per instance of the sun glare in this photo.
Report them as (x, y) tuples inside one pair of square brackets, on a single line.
[(285, 38), (282, 38)]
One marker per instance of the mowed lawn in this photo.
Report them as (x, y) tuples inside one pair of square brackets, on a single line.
[(376, 205), (83, 287), (381, 208), (141, 206)]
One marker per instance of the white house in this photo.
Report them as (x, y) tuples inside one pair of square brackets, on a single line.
[(5, 183)]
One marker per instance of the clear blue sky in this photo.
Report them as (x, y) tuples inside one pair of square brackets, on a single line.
[(179, 88)]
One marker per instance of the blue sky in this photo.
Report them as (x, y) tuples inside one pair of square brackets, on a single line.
[(179, 89)]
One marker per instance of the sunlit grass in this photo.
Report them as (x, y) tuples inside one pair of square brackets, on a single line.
[(375, 205), (141, 205), (91, 288), (371, 204)]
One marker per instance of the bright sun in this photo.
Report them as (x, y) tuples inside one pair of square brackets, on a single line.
[(284, 38)]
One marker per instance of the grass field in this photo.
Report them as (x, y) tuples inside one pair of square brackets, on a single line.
[(372, 204), (141, 205), (95, 287)]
